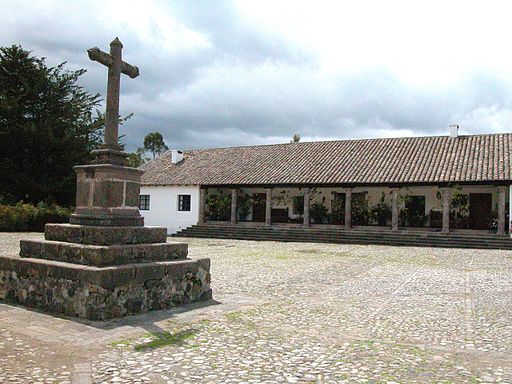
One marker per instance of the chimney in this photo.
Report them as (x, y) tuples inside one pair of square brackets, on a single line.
[(176, 156), (454, 130)]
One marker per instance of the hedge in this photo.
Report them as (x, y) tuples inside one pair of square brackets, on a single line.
[(27, 217)]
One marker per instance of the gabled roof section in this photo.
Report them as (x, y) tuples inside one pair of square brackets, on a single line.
[(434, 159)]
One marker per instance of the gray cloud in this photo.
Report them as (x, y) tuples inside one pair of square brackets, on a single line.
[(248, 86)]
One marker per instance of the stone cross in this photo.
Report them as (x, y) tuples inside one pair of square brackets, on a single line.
[(116, 66)]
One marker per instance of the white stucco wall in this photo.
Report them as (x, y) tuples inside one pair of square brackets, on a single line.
[(163, 210)]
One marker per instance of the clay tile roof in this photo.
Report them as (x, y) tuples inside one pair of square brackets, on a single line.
[(435, 159)]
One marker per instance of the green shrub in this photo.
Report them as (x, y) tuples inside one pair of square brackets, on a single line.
[(337, 215), (219, 207), (381, 212), (360, 209), (27, 217), (245, 203), (319, 213)]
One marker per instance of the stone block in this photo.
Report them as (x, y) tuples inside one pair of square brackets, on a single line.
[(98, 235), (102, 293), (29, 248), (102, 255), (108, 193), (98, 217), (83, 189), (132, 194), (148, 272)]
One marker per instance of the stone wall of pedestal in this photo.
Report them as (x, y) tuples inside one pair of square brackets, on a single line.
[(107, 195), (103, 293)]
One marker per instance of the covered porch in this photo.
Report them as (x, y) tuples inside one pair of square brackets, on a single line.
[(471, 209)]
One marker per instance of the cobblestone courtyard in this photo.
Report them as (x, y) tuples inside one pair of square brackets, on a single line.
[(290, 313)]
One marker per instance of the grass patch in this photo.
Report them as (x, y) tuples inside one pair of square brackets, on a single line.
[(234, 316), (366, 343), (162, 339), (309, 251), (120, 343)]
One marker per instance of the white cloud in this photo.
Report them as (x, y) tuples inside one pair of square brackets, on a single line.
[(221, 73)]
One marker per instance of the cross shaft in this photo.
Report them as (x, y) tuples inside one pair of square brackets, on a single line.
[(116, 66)]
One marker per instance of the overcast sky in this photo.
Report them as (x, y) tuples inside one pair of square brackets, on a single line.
[(223, 73)]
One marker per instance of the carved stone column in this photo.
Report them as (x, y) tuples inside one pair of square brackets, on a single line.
[(234, 200), (348, 208), (202, 204), (268, 207), (394, 209), (445, 192), (306, 207), (502, 193)]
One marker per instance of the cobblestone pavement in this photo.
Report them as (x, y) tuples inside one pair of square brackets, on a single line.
[(291, 313)]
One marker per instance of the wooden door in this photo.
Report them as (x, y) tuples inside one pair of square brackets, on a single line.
[(258, 207), (480, 207)]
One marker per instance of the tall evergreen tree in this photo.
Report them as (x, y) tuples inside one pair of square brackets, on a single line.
[(46, 127)]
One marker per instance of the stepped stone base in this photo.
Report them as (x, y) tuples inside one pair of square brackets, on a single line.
[(103, 293), (100, 273)]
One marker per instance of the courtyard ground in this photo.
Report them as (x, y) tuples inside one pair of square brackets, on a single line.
[(290, 312)]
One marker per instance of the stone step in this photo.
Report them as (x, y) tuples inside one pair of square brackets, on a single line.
[(348, 236), (343, 234), (338, 228), (401, 238), (101, 255), (102, 293), (361, 241), (354, 232), (97, 235), (337, 232)]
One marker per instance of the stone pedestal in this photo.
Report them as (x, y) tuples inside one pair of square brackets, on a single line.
[(105, 263), (107, 195)]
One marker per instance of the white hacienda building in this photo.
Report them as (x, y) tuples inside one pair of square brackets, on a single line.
[(438, 184)]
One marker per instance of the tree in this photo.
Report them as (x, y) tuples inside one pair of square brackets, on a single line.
[(295, 138), (154, 143), (136, 159), (46, 127)]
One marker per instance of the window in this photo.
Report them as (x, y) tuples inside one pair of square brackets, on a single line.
[(144, 203), (298, 205), (183, 202)]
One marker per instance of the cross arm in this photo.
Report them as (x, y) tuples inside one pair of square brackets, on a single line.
[(96, 54), (130, 70)]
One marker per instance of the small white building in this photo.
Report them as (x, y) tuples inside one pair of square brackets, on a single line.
[(174, 207), (446, 183)]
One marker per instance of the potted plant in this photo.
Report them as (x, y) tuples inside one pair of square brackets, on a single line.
[(244, 203), (381, 212), (318, 213)]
